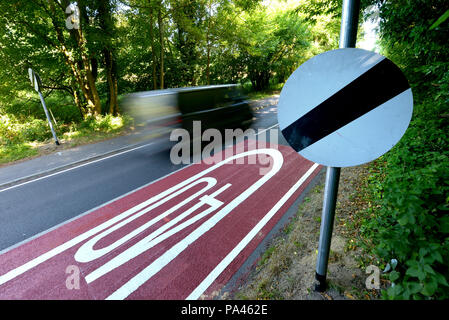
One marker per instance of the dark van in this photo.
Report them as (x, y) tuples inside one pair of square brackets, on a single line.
[(216, 106)]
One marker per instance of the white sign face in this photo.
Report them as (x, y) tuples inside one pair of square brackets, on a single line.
[(345, 107)]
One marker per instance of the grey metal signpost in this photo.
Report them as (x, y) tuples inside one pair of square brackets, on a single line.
[(36, 82), (348, 37), (327, 223), (343, 108)]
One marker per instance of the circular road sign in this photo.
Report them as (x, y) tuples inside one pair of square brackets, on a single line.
[(345, 107)]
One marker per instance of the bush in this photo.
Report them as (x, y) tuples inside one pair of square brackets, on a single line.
[(36, 130), (107, 123), (410, 193), (14, 152), (9, 130), (12, 131), (17, 134)]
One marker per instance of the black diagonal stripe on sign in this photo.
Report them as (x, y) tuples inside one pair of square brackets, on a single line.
[(379, 84)]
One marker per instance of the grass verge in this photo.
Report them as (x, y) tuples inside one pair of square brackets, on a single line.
[(287, 268), (24, 140)]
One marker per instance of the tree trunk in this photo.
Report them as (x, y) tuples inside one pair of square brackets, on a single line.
[(161, 40), (82, 72), (112, 81), (153, 49), (76, 97), (95, 103), (208, 44), (91, 90), (107, 26)]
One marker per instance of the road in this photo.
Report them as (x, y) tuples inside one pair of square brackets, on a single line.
[(29, 209), (46, 224)]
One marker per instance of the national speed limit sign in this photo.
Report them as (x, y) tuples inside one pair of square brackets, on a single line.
[(345, 107)]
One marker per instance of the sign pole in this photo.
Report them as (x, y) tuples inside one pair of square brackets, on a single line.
[(349, 23), (48, 118), (36, 83), (348, 36), (327, 223)]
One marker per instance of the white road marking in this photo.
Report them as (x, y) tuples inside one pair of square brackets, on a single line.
[(94, 161), (155, 200), (76, 167), (143, 276), (233, 254), (277, 124), (88, 211)]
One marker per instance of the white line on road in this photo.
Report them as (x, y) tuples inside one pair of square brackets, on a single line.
[(94, 161), (97, 207), (88, 211), (76, 167), (275, 125), (233, 254)]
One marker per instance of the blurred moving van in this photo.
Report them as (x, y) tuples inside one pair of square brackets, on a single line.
[(216, 106)]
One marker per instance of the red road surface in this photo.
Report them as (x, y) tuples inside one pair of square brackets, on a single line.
[(182, 237)]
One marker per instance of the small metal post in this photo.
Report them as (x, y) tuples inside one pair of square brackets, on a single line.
[(36, 83), (348, 37), (48, 118), (53, 117), (327, 223)]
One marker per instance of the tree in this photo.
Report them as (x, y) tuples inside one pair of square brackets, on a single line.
[(75, 50), (273, 43), (406, 38), (133, 45), (413, 224), (35, 26), (107, 27), (189, 17), (153, 47)]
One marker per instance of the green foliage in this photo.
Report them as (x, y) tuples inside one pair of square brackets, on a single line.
[(409, 186), (199, 41), (182, 43), (15, 152), (18, 138), (36, 130), (14, 132), (16, 135), (408, 218), (272, 44), (410, 192), (27, 106), (440, 20), (406, 40), (107, 123)]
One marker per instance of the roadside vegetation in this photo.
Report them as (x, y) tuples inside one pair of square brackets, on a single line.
[(20, 140), (401, 204), (395, 214), (407, 189), (90, 58)]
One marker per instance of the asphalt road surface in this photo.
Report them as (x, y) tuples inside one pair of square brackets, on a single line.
[(136, 226)]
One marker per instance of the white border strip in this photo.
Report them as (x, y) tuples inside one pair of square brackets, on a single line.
[(99, 206), (90, 211), (94, 161), (277, 124), (196, 294), (76, 167)]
